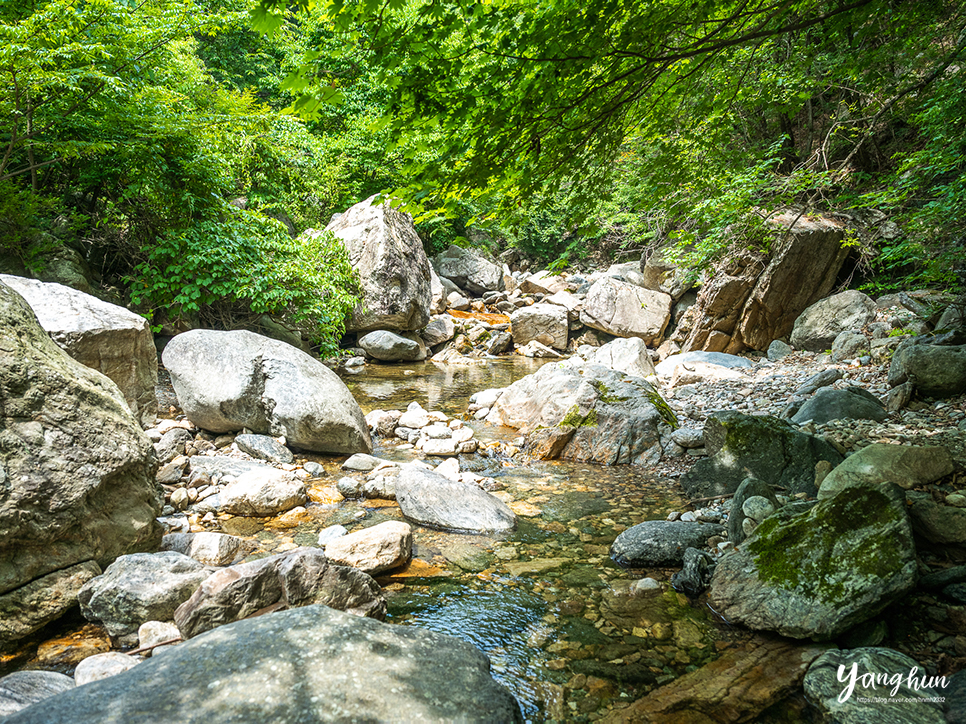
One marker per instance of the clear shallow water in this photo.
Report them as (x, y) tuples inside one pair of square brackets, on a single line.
[(541, 608), (545, 603)]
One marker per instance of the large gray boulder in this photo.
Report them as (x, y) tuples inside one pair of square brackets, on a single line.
[(428, 498), (839, 686), (628, 355), (658, 543), (311, 664), (851, 403), (468, 270), (226, 381), (765, 447), (819, 573), (546, 323), (626, 310), (140, 587), (907, 466), (76, 470), (936, 371), (394, 272), (586, 412), (296, 578), (389, 347), (817, 327), (105, 337)]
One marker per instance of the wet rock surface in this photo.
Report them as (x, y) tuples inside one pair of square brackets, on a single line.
[(308, 664)]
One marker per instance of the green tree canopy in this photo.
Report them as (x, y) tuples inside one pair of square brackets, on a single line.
[(703, 106)]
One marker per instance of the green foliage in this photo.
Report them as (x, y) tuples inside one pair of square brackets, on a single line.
[(244, 257), (118, 137), (26, 221), (669, 121)]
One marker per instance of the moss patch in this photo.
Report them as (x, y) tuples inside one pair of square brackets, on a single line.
[(605, 395), (823, 552), (573, 418), (663, 409)]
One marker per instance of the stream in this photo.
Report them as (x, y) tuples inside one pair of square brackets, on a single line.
[(546, 604)]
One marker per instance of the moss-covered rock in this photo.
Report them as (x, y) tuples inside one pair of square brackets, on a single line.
[(596, 414), (818, 573), (769, 449)]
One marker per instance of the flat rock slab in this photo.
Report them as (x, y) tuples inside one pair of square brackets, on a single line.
[(430, 499), (730, 361), (738, 686), (310, 664), (660, 542), (260, 492), (264, 447)]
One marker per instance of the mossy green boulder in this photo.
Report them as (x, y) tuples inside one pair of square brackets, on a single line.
[(760, 446), (817, 574)]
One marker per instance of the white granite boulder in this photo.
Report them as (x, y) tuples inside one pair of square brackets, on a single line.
[(626, 310), (226, 381), (105, 337), (394, 271)]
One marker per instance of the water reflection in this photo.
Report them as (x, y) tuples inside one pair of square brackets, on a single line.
[(436, 387), (541, 602)]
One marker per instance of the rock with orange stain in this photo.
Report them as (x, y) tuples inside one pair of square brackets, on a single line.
[(736, 687)]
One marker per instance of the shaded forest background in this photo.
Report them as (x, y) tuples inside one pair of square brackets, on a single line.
[(174, 150)]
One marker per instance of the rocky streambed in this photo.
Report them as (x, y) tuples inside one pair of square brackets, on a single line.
[(572, 635)]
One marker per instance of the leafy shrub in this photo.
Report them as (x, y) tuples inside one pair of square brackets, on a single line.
[(249, 260)]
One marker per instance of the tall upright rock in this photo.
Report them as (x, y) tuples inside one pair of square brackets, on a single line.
[(110, 339), (386, 251), (77, 485), (755, 297)]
